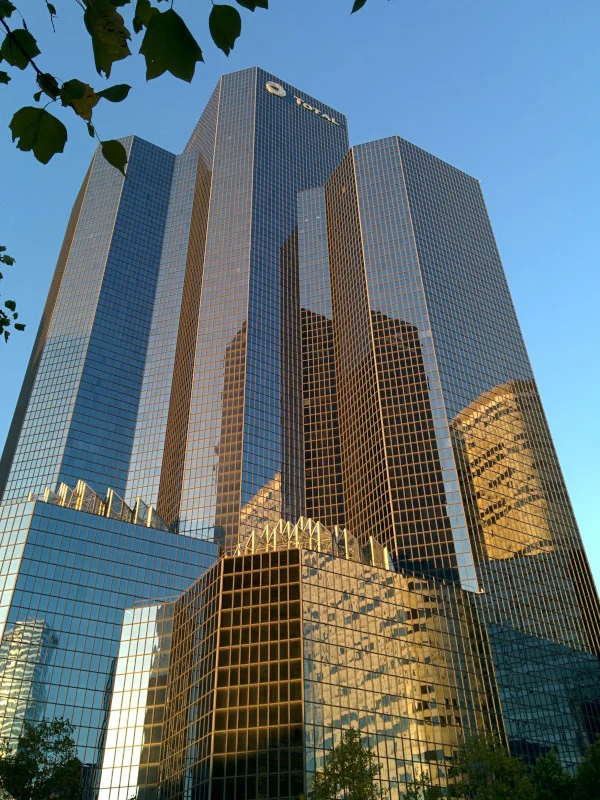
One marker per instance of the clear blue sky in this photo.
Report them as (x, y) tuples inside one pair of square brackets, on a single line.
[(506, 90)]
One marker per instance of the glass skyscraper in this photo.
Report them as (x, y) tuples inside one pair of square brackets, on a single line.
[(279, 467)]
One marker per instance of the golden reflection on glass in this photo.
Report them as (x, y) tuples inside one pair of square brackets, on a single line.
[(278, 648), (403, 660), (494, 438)]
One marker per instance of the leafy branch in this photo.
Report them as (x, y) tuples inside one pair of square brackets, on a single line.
[(8, 317), (36, 129)]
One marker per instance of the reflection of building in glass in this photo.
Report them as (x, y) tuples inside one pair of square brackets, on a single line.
[(268, 327), (399, 478), (381, 655), (84, 569), (323, 474), (229, 447), (262, 509), (495, 442), (135, 721), (422, 531), (322, 459), (245, 383), (25, 654)]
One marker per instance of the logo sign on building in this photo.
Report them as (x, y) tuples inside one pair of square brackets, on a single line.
[(278, 90)]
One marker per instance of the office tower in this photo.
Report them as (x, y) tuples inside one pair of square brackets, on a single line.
[(280, 423), (448, 421)]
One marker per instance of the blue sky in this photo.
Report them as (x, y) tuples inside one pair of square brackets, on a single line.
[(506, 91)]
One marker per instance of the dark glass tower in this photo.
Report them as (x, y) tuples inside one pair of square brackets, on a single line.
[(284, 381)]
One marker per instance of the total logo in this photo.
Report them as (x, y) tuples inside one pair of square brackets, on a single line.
[(278, 90)]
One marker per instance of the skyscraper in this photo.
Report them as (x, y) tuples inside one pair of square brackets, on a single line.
[(280, 419)]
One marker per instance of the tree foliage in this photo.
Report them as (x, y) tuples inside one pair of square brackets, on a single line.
[(349, 773), (587, 778), (43, 765), (8, 314), (483, 770), (551, 780), (421, 789)]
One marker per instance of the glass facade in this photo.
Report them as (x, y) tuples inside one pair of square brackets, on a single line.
[(80, 417), (166, 368), (276, 650), (404, 660), (134, 729), (25, 653), (67, 577), (280, 467), (323, 478), (445, 449), (239, 468)]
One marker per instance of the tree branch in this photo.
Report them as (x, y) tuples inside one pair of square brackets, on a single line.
[(16, 41)]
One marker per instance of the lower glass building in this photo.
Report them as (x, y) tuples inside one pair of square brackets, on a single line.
[(240, 687), (67, 576)]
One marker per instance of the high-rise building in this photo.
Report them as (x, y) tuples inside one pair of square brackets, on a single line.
[(279, 467)]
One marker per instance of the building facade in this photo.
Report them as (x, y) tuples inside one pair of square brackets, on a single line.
[(279, 467), (274, 650)]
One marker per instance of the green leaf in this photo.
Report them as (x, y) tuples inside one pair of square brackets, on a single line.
[(18, 326), (84, 107), (6, 8), (10, 304), (18, 47), (109, 34), (115, 94), (37, 96), (8, 260), (144, 11), (4, 77), (80, 96), (115, 154), (91, 129), (169, 46), (118, 3), (358, 4), (225, 25), (253, 4), (49, 85), (72, 90), (52, 11), (39, 131)]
